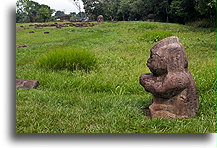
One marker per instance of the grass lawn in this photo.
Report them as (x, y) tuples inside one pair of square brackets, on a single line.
[(108, 98)]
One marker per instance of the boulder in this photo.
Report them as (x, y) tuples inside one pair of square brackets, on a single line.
[(26, 84)]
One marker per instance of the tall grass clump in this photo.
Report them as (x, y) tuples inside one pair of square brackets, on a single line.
[(146, 25), (70, 59)]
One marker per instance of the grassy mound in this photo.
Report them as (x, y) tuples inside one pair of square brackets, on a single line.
[(70, 59), (155, 35)]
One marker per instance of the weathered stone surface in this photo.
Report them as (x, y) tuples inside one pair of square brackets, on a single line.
[(174, 91), (26, 84)]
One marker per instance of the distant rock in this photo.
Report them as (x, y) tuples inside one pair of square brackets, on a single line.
[(100, 18), (26, 84), (31, 32), (22, 45)]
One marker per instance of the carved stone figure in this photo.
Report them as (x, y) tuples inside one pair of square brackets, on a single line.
[(171, 84), (26, 84), (100, 19)]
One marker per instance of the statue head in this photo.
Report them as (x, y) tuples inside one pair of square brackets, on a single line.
[(166, 56)]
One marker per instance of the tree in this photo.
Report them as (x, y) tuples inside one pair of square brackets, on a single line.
[(58, 14), (161, 10), (178, 11), (30, 11), (124, 9), (21, 14), (206, 9), (139, 9), (44, 13), (73, 16), (77, 4), (110, 9), (93, 8), (182, 11)]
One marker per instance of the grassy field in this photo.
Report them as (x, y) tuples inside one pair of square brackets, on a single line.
[(108, 98)]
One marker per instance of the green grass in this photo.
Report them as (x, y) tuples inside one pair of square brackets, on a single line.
[(108, 98), (70, 59), (155, 35)]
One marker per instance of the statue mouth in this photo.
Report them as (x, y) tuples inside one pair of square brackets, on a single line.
[(148, 64)]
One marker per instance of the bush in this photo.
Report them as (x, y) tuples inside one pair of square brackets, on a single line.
[(155, 35), (203, 23), (71, 59)]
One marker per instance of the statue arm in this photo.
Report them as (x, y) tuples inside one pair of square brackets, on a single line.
[(172, 85)]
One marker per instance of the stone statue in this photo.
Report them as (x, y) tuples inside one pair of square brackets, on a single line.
[(100, 19), (171, 84)]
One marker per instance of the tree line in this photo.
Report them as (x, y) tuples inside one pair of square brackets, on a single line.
[(31, 11), (177, 11)]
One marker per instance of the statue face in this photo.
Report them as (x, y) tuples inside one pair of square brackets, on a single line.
[(157, 63)]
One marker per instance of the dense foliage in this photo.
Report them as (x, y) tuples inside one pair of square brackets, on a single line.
[(178, 11), (30, 11)]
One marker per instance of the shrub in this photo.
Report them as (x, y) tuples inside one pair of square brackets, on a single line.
[(71, 59), (155, 35), (204, 23)]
